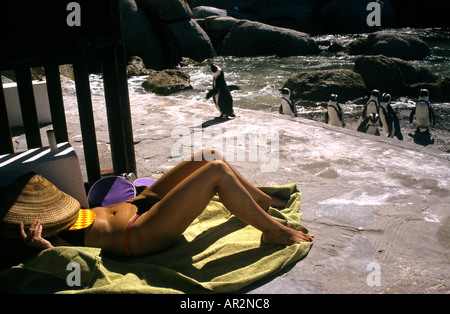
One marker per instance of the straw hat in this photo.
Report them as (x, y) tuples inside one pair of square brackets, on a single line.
[(34, 197)]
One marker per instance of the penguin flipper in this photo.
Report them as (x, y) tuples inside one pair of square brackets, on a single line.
[(432, 116), (326, 118), (363, 126), (233, 87), (411, 115), (212, 92), (280, 110)]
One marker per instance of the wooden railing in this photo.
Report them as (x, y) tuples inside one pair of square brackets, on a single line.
[(97, 41)]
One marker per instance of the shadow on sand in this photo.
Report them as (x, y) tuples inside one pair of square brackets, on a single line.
[(422, 138)]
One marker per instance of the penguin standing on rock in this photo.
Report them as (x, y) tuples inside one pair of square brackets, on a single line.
[(334, 113), (287, 106), (389, 118), (423, 111), (370, 124), (221, 93)]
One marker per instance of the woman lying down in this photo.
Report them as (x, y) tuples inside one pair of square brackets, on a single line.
[(156, 218)]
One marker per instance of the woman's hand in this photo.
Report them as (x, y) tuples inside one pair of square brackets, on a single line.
[(33, 237)]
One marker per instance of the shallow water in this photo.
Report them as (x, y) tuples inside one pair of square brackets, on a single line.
[(259, 78)]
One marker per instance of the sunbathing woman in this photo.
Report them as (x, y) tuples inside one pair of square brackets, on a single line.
[(176, 199)]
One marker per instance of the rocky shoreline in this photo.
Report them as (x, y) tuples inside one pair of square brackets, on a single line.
[(161, 34)]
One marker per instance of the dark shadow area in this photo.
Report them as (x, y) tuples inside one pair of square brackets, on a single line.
[(422, 138)]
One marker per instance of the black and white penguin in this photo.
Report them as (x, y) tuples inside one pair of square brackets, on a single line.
[(370, 124), (334, 114), (389, 118), (372, 105), (287, 106), (423, 111), (221, 93)]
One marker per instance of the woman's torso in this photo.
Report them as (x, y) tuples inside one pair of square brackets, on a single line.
[(109, 228)]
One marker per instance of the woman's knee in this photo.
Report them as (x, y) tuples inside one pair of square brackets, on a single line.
[(219, 169)]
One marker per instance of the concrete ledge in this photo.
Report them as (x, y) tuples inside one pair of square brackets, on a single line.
[(13, 104)]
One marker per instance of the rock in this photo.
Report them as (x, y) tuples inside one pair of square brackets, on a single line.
[(231, 5), (335, 47), (139, 37), (350, 16), (439, 90), (136, 67), (167, 82), (403, 46), (161, 32), (391, 75), (202, 12), (179, 35), (217, 27), (166, 10), (6, 80), (190, 40), (287, 15), (66, 70), (257, 39), (319, 85)]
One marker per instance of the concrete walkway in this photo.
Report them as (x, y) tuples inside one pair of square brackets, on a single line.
[(378, 207)]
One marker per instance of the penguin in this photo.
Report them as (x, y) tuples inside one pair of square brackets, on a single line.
[(370, 124), (287, 106), (372, 105), (423, 111), (389, 118), (334, 113), (221, 93)]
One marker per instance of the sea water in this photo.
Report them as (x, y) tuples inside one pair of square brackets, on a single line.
[(259, 78)]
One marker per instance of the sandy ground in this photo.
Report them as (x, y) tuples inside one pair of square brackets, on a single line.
[(378, 207)]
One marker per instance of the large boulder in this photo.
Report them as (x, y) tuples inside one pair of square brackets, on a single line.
[(319, 85), (289, 15), (167, 82), (166, 10), (202, 12), (250, 38), (136, 67), (392, 75), (230, 5), (403, 46), (139, 37), (439, 90), (217, 27), (190, 40), (350, 16), (161, 32), (180, 35)]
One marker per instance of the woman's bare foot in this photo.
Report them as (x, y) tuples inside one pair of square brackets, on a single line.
[(286, 236)]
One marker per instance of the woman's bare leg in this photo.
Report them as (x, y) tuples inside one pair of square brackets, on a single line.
[(168, 219), (174, 176)]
